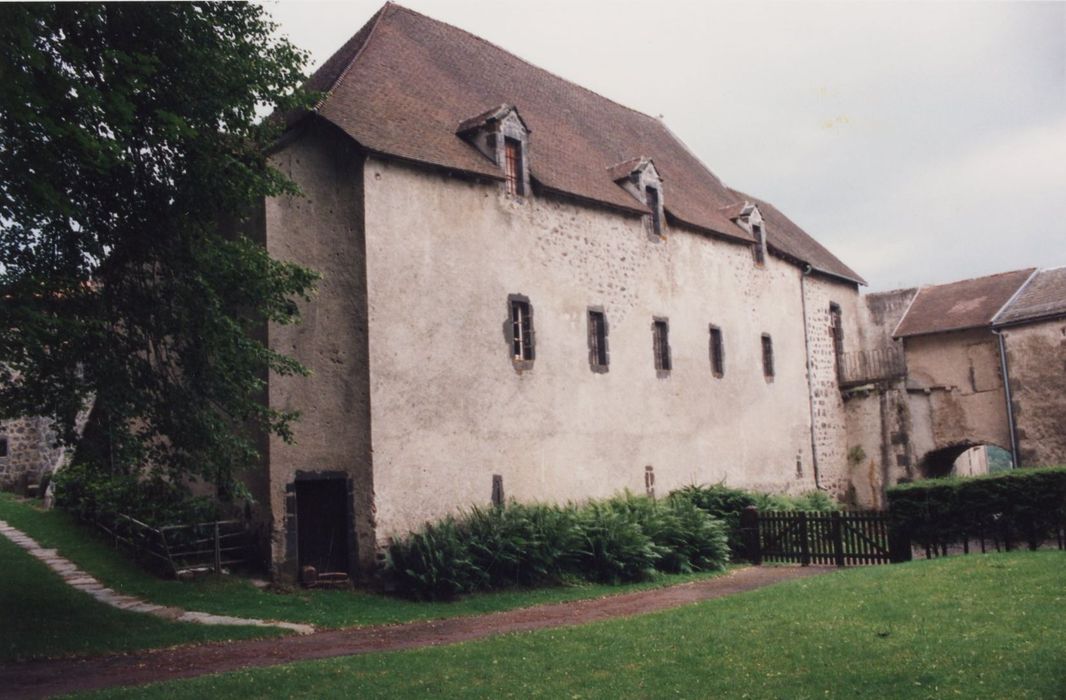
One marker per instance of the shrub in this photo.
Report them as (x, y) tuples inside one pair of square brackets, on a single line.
[(726, 504), (435, 563), (524, 544), (818, 501), (615, 547), (690, 539), (98, 496), (1023, 504), (621, 539)]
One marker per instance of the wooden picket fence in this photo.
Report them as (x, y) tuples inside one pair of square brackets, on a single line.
[(854, 538)]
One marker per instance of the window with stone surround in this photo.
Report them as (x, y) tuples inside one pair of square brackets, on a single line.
[(512, 166), (767, 356), (759, 250), (3, 447), (836, 331), (521, 335), (717, 349), (599, 357), (652, 199), (660, 335)]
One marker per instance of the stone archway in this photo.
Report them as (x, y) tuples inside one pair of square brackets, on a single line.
[(943, 461)]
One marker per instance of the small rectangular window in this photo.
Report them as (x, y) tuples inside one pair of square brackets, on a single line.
[(836, 330), (759, 251), (521, 330), (660, 331), (598, 355), (767, 356), (512, 156), (717, 352), (3, 447), (653, 204)]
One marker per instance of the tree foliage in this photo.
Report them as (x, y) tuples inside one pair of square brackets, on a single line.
[(128, 134)]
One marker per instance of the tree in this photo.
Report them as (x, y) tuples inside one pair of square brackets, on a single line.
[(128, 135)]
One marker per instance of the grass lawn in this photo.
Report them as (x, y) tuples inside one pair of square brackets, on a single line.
[(978, 626), (235, 596), (40, 616)]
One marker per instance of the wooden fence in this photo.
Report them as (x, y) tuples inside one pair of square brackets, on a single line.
[(180, 550), (991, 534), (853, 538), (865, 366)]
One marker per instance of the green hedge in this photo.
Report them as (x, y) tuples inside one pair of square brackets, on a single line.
[(727, 504), (96, 495), (1024, 505), (626, 538)]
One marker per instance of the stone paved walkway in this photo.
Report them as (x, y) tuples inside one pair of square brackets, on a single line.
[(82, 581)]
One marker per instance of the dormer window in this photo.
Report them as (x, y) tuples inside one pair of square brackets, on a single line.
[(502, 137), (639, 178), (652, 201), (747, 216), (512, 166), (759, 251)]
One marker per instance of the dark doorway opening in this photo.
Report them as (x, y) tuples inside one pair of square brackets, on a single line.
[(322, 525)]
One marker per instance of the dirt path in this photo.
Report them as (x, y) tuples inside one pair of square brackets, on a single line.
[(47, 678)]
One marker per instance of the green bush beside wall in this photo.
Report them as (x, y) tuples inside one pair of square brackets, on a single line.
[(626, 538), (1024, 503), (727, 504)]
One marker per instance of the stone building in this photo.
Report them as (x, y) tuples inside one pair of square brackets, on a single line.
[(1032, 328), (971, 364), (528, 290)]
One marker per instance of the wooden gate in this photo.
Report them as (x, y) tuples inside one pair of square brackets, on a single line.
[(854, 538)]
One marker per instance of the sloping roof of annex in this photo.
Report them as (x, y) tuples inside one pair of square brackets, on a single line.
[(404, 82), (961, 305), (1043, 297)]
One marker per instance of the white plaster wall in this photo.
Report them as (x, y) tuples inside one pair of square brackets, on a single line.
[(449, 410), (322, 229)]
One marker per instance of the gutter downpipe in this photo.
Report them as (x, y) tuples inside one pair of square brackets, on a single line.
[(1008, 394), (810, 386)]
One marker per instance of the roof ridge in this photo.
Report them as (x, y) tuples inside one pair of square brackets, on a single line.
[(1030, 270), (910, 304), (1015, 296), (373, 22), (529, 63)]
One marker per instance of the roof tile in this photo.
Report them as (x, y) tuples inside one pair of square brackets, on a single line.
[(960, 305), (404, 81), (1043, 297)]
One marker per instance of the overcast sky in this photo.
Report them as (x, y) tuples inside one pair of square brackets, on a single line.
[(920, 142)]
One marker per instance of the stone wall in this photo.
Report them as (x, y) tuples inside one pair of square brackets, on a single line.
[(960, 374), (31, 451), (830, 420), (323, 230), (449, 410), (879, 417), (1036, 359)]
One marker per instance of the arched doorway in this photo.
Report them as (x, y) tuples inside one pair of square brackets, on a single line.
[(965, 459)]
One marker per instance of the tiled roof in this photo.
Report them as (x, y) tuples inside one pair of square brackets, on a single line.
[(788, 238), (960, 305), (622, 170), (734, 211), (1044, 296), (404, 82)]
